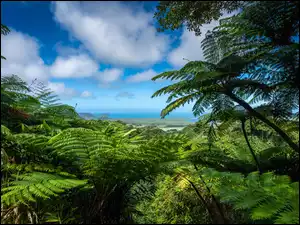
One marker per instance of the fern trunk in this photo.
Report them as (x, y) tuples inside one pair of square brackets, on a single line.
[(214, 216), (218, 206), (259, 116), (250, 148)]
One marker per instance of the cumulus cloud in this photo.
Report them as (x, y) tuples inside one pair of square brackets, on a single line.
[(124, 94), (23, 59), (143, 76), (86, 94), (66, 51), (22, 54), (74, 66), (109, 75), (190, 45), (113, 31), (62, 91)]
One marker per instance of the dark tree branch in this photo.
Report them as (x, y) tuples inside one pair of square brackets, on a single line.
[(259, 116)]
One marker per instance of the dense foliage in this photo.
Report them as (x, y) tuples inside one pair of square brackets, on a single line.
[(239, 164), (173, 14)]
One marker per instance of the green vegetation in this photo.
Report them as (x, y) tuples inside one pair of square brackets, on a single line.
[(173, 14), (238, 164)]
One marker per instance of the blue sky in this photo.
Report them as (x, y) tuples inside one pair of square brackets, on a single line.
[(100, 55)]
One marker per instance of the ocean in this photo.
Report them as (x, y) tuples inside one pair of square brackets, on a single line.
[(146, 115)]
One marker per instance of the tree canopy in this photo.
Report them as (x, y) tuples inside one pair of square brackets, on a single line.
[(174, 14)]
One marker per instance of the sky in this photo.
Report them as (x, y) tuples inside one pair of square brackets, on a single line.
[(98, 55)]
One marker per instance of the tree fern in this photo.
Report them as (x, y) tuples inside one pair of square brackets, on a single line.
[(44, 94), (80, 142), (256, 34), (29, 187), (34, 140), (198, 87), (266, 196)]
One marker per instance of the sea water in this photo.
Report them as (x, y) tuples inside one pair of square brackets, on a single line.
[(146, 115)]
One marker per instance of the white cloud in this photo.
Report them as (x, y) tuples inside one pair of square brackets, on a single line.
[(22, 57), (109, 75), (190, 45), (66, 51), (143, 76), (86, 94), (74, 66), (113, 32), (61, 90)]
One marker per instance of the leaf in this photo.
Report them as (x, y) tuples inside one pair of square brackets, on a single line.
[(37, 184)]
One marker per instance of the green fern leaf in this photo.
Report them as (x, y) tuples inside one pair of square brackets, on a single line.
[(37, 184)]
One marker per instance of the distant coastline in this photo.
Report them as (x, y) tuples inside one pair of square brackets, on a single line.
[(139, 115), (139, 119)]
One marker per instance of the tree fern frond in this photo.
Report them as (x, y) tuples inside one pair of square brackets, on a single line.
[(266, 209), (38, 141), (165, 75), (4, 29), (266, 196), (5, 131), (37, 184), (178, 103)]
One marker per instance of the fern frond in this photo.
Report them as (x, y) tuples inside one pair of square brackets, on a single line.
[(266, 196), (35, 140), (5, 131), (178, 103), (4, 29), (37, 185)]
